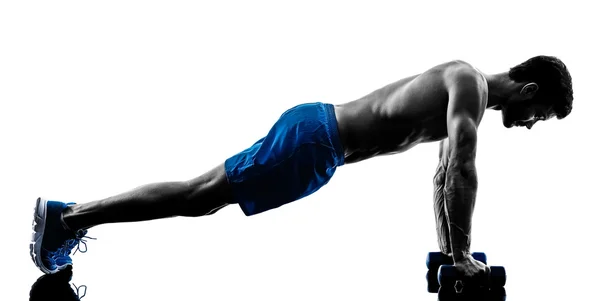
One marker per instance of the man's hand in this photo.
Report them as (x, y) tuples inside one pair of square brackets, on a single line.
[(473, 270)]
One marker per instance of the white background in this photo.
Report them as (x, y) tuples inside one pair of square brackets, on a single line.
[(99, 97)]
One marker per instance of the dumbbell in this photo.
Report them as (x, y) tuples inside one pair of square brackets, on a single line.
[(475, 294), (449, 276)]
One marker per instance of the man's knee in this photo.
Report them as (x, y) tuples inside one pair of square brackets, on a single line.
[(208, 193), (213, 211), (212, 184)]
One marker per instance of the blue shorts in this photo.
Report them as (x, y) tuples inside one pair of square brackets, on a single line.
[(297, 157)]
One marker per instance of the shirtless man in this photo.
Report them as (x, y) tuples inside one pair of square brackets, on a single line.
[(305, 146)]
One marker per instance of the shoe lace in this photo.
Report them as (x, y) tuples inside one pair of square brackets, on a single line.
[(79, 239), (77, 290), (69, 244)]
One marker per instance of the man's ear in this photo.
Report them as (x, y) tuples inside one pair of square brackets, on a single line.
[(529, 89)]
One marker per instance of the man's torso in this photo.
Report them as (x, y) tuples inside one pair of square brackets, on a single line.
[(398, 116)]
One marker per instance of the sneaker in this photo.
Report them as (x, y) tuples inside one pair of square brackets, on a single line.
[(52, 241)]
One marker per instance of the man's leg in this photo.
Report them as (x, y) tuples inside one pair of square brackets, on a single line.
[(200, 196), (60, 227)]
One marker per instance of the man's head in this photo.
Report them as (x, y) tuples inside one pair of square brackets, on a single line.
[(542, 90)]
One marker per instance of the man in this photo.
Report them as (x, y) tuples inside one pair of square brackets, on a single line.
[(305, 146)]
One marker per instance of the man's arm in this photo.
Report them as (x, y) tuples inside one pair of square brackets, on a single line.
[(439, 200), (464, 114)]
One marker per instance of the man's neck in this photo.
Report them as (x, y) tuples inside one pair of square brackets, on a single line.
[(498, 89)]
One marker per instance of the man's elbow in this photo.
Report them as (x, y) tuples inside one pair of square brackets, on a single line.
[(463, 171), (463, 159), (463, 147)]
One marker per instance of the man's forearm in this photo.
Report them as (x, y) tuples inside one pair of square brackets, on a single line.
[(460, 193), (439, 208)]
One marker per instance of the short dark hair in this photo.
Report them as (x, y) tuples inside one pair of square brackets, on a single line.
[(553, 79)]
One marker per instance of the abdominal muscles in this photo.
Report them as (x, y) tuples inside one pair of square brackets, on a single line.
[(378, 138)]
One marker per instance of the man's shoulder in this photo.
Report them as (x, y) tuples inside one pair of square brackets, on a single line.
[(467, 89), (459, 70), (462, 78)]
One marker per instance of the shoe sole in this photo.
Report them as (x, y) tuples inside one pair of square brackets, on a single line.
[(35, 247)]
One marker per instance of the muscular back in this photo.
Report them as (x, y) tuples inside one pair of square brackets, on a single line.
[(402, 114)]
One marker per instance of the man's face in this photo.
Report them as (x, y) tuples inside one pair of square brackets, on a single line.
[(525, 115)]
